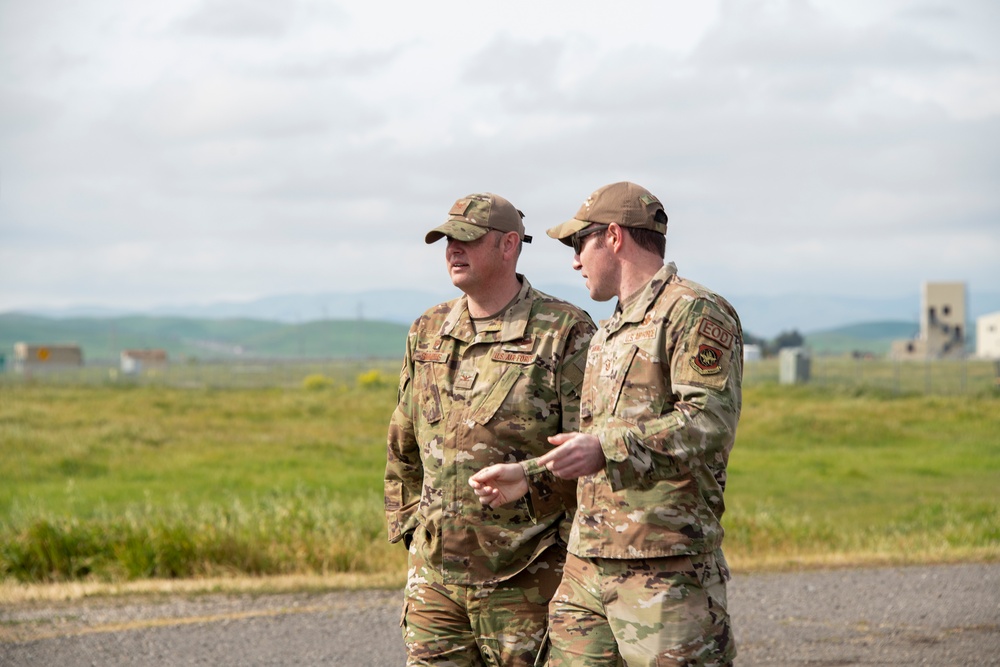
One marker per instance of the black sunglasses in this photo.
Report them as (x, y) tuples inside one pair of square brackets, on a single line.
[(577, 239)]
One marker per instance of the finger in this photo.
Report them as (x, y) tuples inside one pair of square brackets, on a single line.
[(548, 457), (487, 497), (484, 476), (560, 438), (558, 454)]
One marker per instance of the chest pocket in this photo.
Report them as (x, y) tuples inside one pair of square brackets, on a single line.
[(497, 394), (427, 392), (640, 389)]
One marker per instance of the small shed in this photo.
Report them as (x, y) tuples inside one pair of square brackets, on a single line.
[(43, 356), (988, 336), (793, 365), (136, 362)]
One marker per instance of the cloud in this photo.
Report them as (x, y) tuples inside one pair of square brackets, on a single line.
[(239, 148), (239, 18)]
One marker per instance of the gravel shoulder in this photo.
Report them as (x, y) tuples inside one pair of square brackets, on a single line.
[(924, 615)]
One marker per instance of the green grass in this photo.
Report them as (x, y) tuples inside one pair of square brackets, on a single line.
[(820, 474), (120, 483), (128, 482), (897, 378), (72, 449)]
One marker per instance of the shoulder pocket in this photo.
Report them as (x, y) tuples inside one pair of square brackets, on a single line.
[(497, 395), (642, 389), (426, 391)]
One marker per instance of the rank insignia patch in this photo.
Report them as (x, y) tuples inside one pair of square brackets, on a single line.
[(707, 360), (465, 379)]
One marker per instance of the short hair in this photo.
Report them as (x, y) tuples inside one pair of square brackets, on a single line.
[(650, 239)]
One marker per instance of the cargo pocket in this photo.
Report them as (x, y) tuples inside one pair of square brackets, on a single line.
[(713, 579)]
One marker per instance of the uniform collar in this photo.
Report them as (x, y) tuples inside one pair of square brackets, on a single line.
[(635, 309), (514, 321)]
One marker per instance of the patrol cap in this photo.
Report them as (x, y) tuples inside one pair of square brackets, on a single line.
[(473, 216), (628, 204)]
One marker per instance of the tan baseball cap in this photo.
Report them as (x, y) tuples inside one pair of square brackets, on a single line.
[(628, 204), (473, 216)]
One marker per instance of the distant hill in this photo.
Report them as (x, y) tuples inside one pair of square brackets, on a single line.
[(762, 315), (373, 324), (103, 338), (873, 337)]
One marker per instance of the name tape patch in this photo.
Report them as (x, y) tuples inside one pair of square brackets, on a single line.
[(639, 334), (513, 357), (433, 357)]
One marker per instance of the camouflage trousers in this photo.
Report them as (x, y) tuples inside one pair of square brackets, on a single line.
[(452, 625), (655, 611)]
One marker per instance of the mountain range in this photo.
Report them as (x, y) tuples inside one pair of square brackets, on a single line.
[(762, 315), (374, 323)]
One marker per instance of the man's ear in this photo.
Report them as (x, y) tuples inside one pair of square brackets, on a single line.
[(510, 241), (616, 236)]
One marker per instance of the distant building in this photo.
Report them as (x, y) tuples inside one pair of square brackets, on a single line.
[(793, 365), (135, 362), (30, 357), (988, 336), (751, 352), (942, 325)]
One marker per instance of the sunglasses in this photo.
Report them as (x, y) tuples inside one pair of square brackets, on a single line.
[(577, 239)]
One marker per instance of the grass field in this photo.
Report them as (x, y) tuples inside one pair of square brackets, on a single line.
[(123, 483)]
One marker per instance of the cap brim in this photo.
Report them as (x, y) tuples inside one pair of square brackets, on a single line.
[(460, 231), (564, 231)]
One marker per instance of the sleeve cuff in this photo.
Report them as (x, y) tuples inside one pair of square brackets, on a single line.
[(629, 462), (542, 498)]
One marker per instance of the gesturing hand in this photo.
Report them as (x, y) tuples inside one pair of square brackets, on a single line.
[(499, 484), (575, 455)]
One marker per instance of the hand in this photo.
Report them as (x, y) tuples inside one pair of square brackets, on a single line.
[(499, 484), (575, 455)]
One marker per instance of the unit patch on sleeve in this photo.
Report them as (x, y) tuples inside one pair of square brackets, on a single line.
[(716, 332), (707, 360)]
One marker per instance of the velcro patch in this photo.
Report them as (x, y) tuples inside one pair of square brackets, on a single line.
[(512, 357), (465, 379), (707, 360), (716, 332), (640, 334), (433, 357), (460, 207)]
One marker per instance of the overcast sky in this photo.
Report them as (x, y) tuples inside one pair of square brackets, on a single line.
[(195, 151)]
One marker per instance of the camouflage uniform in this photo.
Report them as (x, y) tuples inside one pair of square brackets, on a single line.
[(479, 578), (646, 571)]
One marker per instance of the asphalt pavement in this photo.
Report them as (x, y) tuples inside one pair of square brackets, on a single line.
[(942, 615)]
